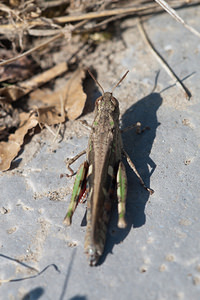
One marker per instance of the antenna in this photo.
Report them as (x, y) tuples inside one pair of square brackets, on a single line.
[(95, 80), (119, 81)]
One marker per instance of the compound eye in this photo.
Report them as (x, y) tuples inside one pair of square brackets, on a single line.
[(114, 101)]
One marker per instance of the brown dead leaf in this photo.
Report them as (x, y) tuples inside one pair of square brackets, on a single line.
[(74, 95), (71, 97), (50, 116), (69, 100), (10, 149)]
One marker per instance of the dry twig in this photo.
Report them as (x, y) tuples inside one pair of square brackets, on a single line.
[(162, 61), (173, 13), (44, 44)]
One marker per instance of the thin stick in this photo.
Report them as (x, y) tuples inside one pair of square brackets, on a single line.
[(100, 14), (29, 277), (50, 130), (139, 8), (40, 79), (162, 61), (57, 133), (173, 13), (148, 8), (54, 38)]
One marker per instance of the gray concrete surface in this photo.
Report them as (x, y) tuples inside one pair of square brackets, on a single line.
[(158, 256)]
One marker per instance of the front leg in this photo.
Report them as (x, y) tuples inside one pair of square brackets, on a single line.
[(77, 192)]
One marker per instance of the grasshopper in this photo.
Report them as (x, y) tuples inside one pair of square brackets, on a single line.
[(101, 172)]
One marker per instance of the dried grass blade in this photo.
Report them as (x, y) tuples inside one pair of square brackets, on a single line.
[(173, 13)]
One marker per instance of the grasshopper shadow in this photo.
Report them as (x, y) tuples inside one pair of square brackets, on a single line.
[(138, 146)]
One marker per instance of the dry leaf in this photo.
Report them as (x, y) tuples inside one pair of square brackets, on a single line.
[(74, 95), (50, 116), (10, 149), (71, 97)]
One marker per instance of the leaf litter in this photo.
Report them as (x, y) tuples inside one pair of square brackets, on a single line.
[(67, 103)]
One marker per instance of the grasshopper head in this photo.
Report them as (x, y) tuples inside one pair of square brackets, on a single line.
[(107, 102)]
